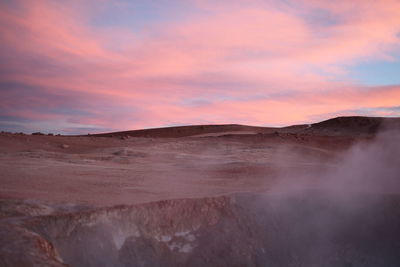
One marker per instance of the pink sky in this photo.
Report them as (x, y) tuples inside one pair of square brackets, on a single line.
[(92, 66)]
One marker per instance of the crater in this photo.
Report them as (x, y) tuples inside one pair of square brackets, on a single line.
[(305, 228)]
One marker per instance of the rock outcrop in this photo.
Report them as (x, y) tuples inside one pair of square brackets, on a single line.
[(239, 230)]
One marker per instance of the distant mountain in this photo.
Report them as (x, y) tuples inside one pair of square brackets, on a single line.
[(353, 125), (193, 130)]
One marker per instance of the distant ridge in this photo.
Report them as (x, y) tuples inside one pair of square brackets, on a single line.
[(351, 125), (191, 130)]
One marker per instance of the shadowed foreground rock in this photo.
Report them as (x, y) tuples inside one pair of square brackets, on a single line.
[(299, 229)]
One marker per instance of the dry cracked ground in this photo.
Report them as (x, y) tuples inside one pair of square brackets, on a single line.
[(325, 194)]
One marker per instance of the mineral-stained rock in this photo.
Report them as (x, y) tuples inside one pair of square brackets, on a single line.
[(237, 230)]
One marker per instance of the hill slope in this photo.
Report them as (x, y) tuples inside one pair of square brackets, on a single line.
[(193, 130), (353, 125)]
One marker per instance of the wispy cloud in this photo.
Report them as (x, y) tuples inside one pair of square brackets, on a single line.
[(254, 62)]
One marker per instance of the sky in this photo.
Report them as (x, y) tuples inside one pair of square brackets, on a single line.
[(77, 67)]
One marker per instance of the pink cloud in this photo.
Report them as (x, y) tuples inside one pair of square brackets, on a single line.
[(256, 58)]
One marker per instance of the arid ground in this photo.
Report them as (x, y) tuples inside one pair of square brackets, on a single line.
[(324, 194)]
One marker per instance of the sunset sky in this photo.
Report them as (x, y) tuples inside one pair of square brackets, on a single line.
[(93, 66)]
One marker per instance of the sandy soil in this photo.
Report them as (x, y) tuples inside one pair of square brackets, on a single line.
[(225, 133), (226, 195), (108, 171)]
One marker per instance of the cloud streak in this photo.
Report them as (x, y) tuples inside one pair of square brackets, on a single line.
[(251, 62)]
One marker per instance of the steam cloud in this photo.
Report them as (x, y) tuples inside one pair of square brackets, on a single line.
[(347, 215)]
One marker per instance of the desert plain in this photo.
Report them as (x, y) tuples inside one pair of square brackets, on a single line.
[(322, 194)]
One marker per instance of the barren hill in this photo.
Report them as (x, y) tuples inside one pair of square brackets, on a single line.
[(352, 125), (193, 130)]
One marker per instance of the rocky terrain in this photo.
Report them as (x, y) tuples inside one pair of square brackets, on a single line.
[(324, 194)]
